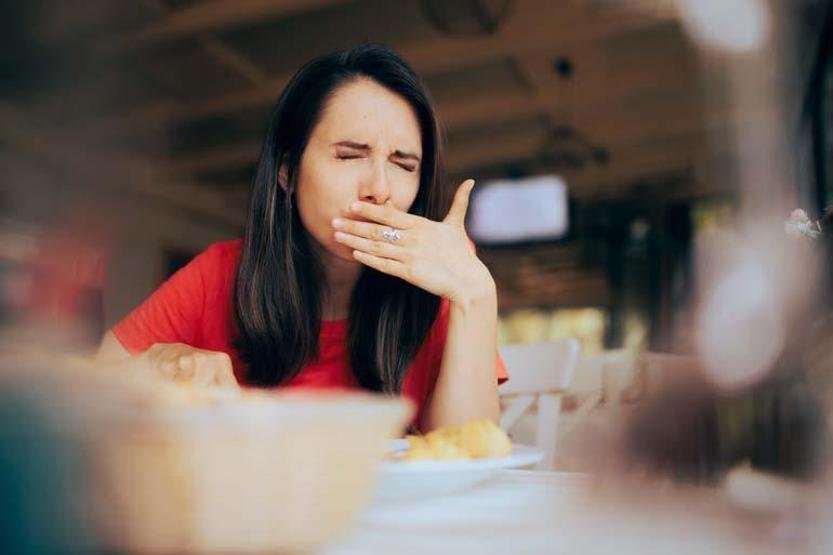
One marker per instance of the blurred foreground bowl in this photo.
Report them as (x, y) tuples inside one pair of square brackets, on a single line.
[(283, 472), (284, 476)]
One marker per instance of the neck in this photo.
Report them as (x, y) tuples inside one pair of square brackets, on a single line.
[(340, 277)]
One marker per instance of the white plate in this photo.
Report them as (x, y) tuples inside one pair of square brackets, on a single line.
[(402, 480)]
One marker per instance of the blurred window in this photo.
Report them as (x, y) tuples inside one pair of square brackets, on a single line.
[(534, 325), (712, 215)]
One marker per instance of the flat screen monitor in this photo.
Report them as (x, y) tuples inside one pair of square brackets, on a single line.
[(509, 211)]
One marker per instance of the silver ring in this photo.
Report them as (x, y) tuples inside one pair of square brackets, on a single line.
[(392, 235)]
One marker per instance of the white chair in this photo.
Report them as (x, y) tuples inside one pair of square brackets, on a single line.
[(539, 375)]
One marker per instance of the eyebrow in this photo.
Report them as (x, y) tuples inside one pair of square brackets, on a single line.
[(360, 146)]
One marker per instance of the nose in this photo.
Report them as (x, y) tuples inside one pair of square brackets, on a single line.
[(375, 187)]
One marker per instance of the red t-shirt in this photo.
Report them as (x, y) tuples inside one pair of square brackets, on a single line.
[(194, 307)]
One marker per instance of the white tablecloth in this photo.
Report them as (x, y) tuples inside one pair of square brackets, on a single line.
[(519, 512)]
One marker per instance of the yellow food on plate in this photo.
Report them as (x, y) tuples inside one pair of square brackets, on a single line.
[(476, 439)]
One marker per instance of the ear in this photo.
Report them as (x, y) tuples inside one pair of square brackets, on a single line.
[(283, 178)]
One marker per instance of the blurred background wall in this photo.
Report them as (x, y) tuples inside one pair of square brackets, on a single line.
[(135, 125)]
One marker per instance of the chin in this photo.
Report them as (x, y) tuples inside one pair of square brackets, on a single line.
[(342, 252), (330, 248)]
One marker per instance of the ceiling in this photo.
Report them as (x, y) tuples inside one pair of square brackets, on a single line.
[(608, 97), (611, 97)]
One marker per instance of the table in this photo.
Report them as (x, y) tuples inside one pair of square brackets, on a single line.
[(519, 512)]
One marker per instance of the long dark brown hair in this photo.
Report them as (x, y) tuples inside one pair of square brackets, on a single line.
[(279, 288)]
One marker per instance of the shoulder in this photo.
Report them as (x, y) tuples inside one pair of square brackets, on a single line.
[(214, 268), (224, 250), (220, 255)]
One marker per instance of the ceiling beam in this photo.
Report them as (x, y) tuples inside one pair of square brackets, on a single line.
[(212, 16), (220, 51), (619, 130), (536, 25)]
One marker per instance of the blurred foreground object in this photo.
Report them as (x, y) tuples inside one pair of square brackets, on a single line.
[(730, 25), (691, 431), (54, 279), (40, 471), (153, 472)]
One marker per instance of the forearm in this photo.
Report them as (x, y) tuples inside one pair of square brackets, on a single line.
[(466, 387)]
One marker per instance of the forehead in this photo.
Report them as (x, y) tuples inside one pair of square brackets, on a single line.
[(365, 111)]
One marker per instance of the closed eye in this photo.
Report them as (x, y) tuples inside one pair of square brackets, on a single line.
[(407, 168), (348, 156)]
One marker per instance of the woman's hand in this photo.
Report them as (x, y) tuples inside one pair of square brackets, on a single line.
[(183, 363), (435, 256)]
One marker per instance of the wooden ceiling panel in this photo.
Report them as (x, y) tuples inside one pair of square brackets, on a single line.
[(233, 178), (180, 4), (212, 16), (629, 48), (202, 75), (202, 136), (499, 76), (96, 92), (282, 46), (60, 23), (191, 73), (535, 24), (498, 127)]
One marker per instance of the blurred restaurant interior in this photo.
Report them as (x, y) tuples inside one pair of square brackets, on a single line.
[(632, 158), (146, 117)]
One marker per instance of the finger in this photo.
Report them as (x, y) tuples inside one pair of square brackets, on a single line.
[(203, 372), (460, 205), (384, 214), (367, 230), (155, 355), (382, 249), (187, 366), (224, 371), (214, 362), (384, 265), (167, 369), (225, 378), (204, 375)]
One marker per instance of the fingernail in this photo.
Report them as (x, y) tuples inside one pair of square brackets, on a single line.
[(338, 223), (356, 206), (340, 236)]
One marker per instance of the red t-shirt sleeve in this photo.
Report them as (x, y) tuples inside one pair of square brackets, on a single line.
[(172, 313), (502, 374)]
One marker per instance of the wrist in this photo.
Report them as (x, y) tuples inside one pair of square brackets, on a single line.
[(480, 292)]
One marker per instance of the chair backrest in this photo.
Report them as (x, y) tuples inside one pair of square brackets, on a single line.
[(626, 376), (607, 373), (540, 373)]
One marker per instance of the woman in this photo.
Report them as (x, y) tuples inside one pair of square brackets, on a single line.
[(352, 272)]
